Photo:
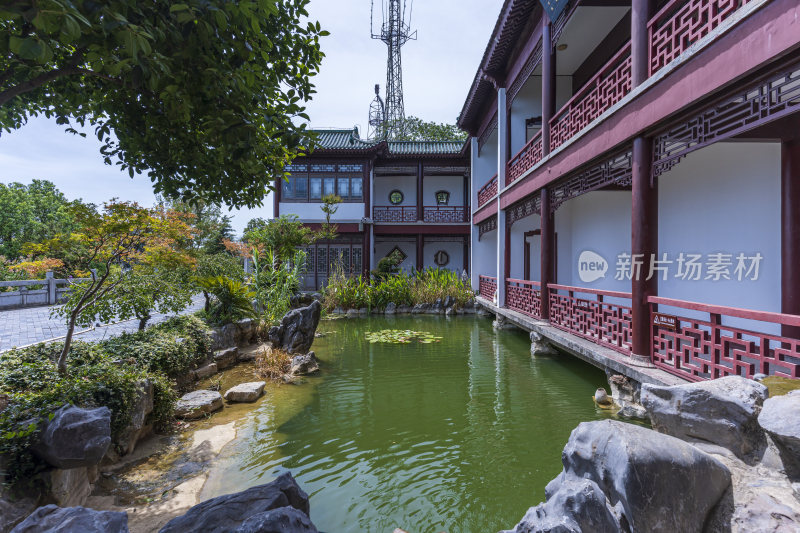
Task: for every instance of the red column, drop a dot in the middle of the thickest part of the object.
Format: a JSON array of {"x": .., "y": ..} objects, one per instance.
[
  {"x": 640, "y": 46},
  {"x": 420, "y": 204},
  {"x": 547, "y": 248},
  {"x": 366, "y": 253},
  {"x": 644, "y": 243},
  {"x": 420, "y": 249},
  {"x": 548, "y": 85},
  {"x": 790, "y": 232}
]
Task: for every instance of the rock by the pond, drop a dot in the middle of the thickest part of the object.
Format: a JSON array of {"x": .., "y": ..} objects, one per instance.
[
  {"x": 14, "y": 509},
  {"x": 198, "y": 404},
  {"x": 403, "y": 309},
  {"x": 304, "y": 364},
  {"x": 780, "y": 417},
  {"x": 639, "y": 471},
  {"x": 69, "y": 488},
  {"x": 419, "y": 308},
  {"x": 601, "y": 397},
  {"x": 206, "y": 371},
  {"x": 247, "y": 330},
  {"x": 226, "y": 358},
  {"x": 75, "y": 437},
  {"x": 352, "y": 313},
  {"x": 224, "y": 514},
  {"x": 723, "y": 411},
  {"x": 224, "y": 337},
  {"x": 245, "y": 392},
  {"x": 136, "y": 428},
  {"x": 52, "y": 518},
  {"x": 295, "y": 334},
  {"x": 391, "y": 308},
  {"x": 280, "y": 520}
]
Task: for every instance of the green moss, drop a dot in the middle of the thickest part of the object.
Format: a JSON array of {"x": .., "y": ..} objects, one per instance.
[{"x": 779, "y": 386}]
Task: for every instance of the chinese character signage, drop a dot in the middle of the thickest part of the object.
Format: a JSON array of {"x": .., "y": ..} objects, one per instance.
[{"x": 554, "y": 8}]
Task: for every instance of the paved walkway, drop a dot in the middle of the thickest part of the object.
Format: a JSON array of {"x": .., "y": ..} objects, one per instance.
[{"x": 21, "y": 327}]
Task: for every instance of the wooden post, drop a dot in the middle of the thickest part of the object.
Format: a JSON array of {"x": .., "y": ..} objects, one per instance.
[
  {"x": 420, "y": 203},
  {"x": 548, "y": 85},
  {"x": 640, "y": 46},
  {"x": 547, "y": 247},
  {"x": 420, "y": 251},
  {"x": 644, "y": 244},
  {"x": 790, "y": 233}
]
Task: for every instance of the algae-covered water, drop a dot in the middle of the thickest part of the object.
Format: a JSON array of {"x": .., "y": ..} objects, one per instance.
[{"x": 459, "y": 435}]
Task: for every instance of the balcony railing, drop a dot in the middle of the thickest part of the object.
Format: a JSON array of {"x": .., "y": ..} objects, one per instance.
[
  {"x": 698, "y": 349},
  {"x": 526, "y": 158},
  {"x": 445, "y": 213},
  {"x": 394, "y": 213},
  {"x": 488, "y": 191},
  {"x": 605, "y": 89},
  {"x": 680, "y": 24},
  {"x": 591, "y": 317},
  {"x": 487, "y": 287},
  {"x": 524, "y": 297}
]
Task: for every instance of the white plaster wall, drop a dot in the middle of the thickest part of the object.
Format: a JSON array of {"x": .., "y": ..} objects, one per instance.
[
  {"x": 312, "y": 212},
  {"x": 563, "y": 229},
  {"x": 518, "y": 248},
  {"x": 383, "y": 247},
  {"x": 485, "y": 166},
  {"x": 454, "y": 249},
  {"x": 724, "y": 198},
  {"x": 485, "y": 256},
  {"x": 453, "y": 184},
  {"x": 383, "y": 185},
  {"x": 528, "y": 104}
]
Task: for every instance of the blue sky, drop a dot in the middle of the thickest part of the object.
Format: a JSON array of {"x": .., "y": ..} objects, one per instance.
[{"x": 437, "y": 71}]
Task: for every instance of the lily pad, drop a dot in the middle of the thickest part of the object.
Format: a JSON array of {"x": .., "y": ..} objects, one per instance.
[{"x": 401, "y": 336}]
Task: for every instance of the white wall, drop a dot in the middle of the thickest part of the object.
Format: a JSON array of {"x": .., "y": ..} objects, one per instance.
[
  {"x": 518, "y": 248},
  {"x": 724, "y": 198},
  {"x": 453, "y": 184},
  {"x": 383, "y": 185},
  {"x": 383, "y": 246},
  {"x": 485, "y": 166},
  {"x": 528, "y": 104},
  {"x": 454, "y": 249},
  {"x": 312, "y": 212},
  {"x": 485, "y": 256}
]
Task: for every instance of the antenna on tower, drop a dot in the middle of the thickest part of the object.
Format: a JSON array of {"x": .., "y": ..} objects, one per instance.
[
  {"x": 395, "y": 31},
  {"x": 377, "y": 116}
]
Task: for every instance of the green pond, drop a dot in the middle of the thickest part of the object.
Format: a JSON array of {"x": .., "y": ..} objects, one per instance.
[{"x": 459, "y": 435}]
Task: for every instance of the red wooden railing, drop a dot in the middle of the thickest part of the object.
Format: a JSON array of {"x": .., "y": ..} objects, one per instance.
[
  {"x": 524, "y": 296},
  {"x": 606, "y": 323},
  {"x": 445, "y": 213},
  {"x": 394, "y": 213},
  {"x": 487, "y": 287},
  {"x": 680, "y": 24},
  {"x": 605, "y": 89},
  {"x": 526, "y": 158},
  {"x": 698, "y": 349},
  {"x": 488, "y": 191}
]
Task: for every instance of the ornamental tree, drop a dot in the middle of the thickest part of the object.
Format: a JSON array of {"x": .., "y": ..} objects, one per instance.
[
  {"x": 200, "y": 94},
  {"x": 126, "y": 243}
]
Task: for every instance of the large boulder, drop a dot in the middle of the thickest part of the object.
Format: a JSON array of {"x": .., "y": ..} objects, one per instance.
[
  {"x": 304, "y": 364},
  {"x": 721, "y": 411},
  {"x": 224, "y": 337},
  {"x": 14, "y": 509},
  {"x": 206, "y": 371},
  {"x": 227, "y": 513},
  {"x": 69, "y": 488},
  {"x": 247, "y": 331},
  {"x": 52, "y": 518},
  {"x": 245, "y": 392},
  {"x": 281, "y": 520},
  {"x": 295, "y": 334},
  {"x": 137, "y": 427},
  {"x": 226, "y": 358},
  {"x": 652, "y": 482},
  {"x": 75, "y": 437},
  {"x": 197, "y": 404},
  {"x": 780, "y": 417}
]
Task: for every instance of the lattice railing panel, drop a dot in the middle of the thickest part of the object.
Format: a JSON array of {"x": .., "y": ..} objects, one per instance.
[
  {"x": 527, "y": 157},
  {"x": 485, "y": 226},
  {"x": 607, "y": 324},
  {"x": 698, "y": 349},
  {"x": 615, "y": 170},
  {"x": 680, "y": 24},
  {"x": 488, "y": 191},
  {"x": 445, "y": 213},
  {"x": 394, "y": 213},
  {"x": 524, "y": 297},
  {"x": 530, "y": 205},
  {"x": 768, "y": 99},
  {"x": 487, "y": 287},
  {"x": 605, "y": 89}
]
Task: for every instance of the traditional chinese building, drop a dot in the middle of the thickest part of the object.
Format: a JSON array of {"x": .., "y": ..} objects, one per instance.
[
  {"x": 408, "y": 197},
  {"x": 635, "y": 173}
]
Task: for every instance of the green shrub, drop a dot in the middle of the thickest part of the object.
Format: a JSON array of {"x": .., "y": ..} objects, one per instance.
[{"x": 232, "y": 299}]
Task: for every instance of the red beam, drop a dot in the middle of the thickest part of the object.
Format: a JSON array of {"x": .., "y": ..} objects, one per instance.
[
  {"x": 738, "y": 312},
  {"x": 425, "y": 229}
]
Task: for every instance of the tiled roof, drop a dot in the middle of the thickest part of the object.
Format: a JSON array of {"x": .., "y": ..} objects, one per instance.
[{"x": 349, "y": 140}]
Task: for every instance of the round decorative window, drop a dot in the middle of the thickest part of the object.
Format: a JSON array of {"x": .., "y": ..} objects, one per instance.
[
  {"x": 396, "y": 197},
  {"x": 441, "y": 258}
]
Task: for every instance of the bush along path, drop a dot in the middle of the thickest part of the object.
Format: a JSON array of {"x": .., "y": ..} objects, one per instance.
[{"x": 58, "y": 431}]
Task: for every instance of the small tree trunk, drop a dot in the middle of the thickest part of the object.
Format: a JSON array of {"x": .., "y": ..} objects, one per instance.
[
  {"x": 207, "y": 307},
  {"x": 62, "y": 359},
  {"x": 143, "y": 321}
]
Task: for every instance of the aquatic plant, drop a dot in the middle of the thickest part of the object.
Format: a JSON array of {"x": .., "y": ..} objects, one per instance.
[
  {"x": 401, "y": 336},
  {"x": 272, "y": 363}
]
